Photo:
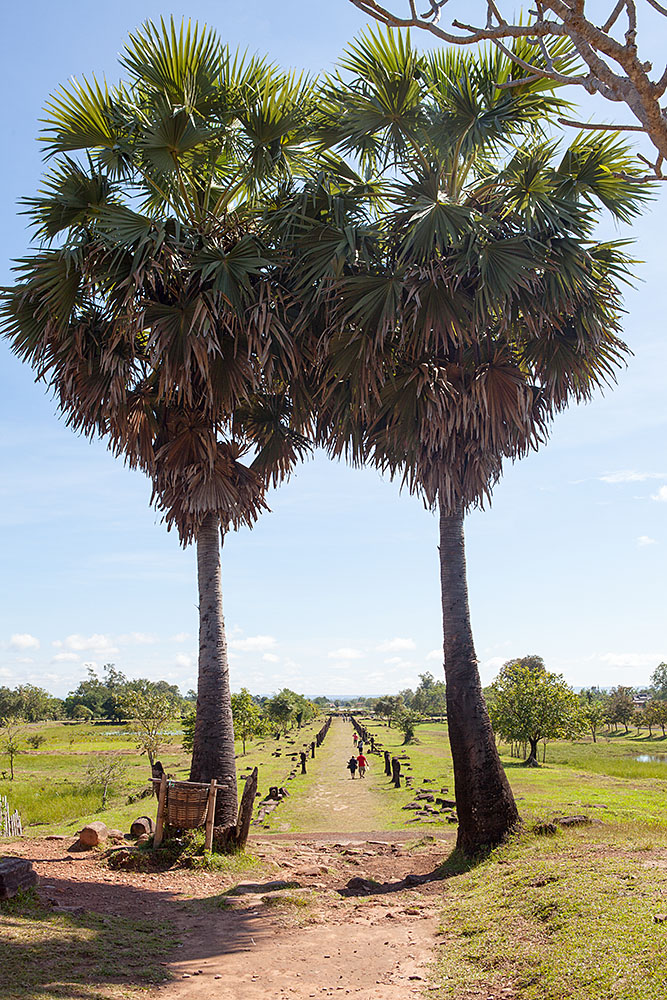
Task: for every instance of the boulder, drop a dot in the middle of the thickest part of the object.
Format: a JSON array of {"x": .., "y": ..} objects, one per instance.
[
  {"x": 15, "y": 874},
  {"x": 93, "y": 834},
  {"x": 141, "y": 825}
]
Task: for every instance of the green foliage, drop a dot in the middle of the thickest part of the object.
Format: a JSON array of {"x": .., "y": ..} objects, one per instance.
[
  {"x": 29, "y": 703},
  {"x": 104, "y": 772},
  {"x": 621, "y": 707},
  {"x": 12, "y": 733},
  {"x": 659, "y": 682},
  {"x": 150, "y": 709},
  {"x": 248, "y": 719},
  {"x": 430, "y": 698},
  {"x": 530, "y": 704}
]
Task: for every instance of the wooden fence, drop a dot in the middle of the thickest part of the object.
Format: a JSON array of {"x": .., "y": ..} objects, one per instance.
[{"x": 10, "y": 823}]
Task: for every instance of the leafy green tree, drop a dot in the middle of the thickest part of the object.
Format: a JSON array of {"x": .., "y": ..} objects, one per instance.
[
  {"x": 430, "y": 698},
  {"x": 406, "y": 720},
  {"x": 248, "y": 719},
  {"x": 659, "y": 682},
  {"x": 594, "y": 714},
  {"x": 149, "y": 711},
  {"x": 621, "y": 707},
  {"x": 281, "y": 709},
  {"x": 530, "y": 705},
  {"x": 154, "y": 308},
  {"x": 11, "y": 740}
]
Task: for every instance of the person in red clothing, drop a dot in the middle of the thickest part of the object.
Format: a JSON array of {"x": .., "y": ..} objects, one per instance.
[
  {"x": 355, "y": 738},
  {"x": 363, "y": 764}
]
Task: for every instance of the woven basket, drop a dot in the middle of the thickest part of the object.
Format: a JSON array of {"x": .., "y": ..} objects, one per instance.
[{"x": 186, "y": 807}]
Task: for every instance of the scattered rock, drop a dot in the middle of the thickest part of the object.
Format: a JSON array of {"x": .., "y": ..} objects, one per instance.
[
  {"x": 143, "y": 839},
  {"x": 57, "y": 836},
  {"x": 659, "y": 918},
  {"x": 545, "y": 829},
  {"x": 573, "y": 820},
  {"x": 361, "y": 887},
  {"x": 15, "y": 874}
]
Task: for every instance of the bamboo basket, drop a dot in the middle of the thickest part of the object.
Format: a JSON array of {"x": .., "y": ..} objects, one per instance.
[{"x": 186, "y": 806}]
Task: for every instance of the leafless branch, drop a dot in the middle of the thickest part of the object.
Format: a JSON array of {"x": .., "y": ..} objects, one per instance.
[
  {"x": 615, "y": 69},
  {"x": 601, "y": 128}
]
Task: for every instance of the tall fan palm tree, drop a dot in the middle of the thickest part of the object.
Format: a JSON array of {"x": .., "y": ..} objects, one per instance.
[
  {"x": 154, "y": 307},
  {"x": 471, "y": 310}
]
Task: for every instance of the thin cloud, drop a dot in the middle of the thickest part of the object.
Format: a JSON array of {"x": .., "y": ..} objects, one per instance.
[
  {"x": 254, "y": 643},
  {"x": 435, "y": 654},
  {"x": 140, "y": 638},
  {"x": 631, "y": 476},
  {"x": 646, "y": 540},
  {"x": 346, "y": 653},
  {"x": 396, "y": 645},
  {"x": 23, "y": 640},
  {"x": 96, "y": 643},
  {"x": 661, "y": 495},
  {"x": 179, "y": 637},
  {"x": 65, "y": 658}
]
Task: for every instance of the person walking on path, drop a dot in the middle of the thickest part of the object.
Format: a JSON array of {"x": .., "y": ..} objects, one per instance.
[
  {"x": 352, "y": 766},
  {"x": 355, "y": 738},
  {"x": 363, "y": 764}
]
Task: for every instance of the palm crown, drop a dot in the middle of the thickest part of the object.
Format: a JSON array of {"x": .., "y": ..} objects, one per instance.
[{"x": 155, "y": 307}]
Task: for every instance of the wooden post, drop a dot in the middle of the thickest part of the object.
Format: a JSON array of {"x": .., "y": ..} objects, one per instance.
[
  {"x": 387, "y": 763},
  {"x": 161, "y": 805},
  {"x": 303, "y": 762},
  {"x": 245, "y": 809},
  {"x": 210, "y": 815},
  {"x": 312, "y": 749},
  {"x": 396, "y": 772}
]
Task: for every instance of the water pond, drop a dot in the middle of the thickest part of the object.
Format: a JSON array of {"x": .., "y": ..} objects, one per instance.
[{"x": 651, "y": 758}]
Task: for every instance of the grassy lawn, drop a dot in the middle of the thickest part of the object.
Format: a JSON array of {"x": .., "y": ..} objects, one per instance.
[
  {"x": 91, "y": 957},
  {"x": 53, "y": 793},
  {"x": 563, "y": 918}
]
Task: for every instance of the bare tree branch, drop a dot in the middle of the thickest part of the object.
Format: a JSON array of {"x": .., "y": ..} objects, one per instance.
[{"x": 615, "y": 69}]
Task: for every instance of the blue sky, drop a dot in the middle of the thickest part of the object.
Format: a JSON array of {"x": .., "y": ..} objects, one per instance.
[{"x": 336, "y": 590}]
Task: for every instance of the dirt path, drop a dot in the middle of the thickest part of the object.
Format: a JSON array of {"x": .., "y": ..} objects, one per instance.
[
  {"x": 356, "y": 914},
  {"x": 327, "y": 799}
]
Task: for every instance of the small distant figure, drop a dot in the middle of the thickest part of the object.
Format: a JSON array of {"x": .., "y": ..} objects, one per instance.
[
  {"x": 362, "y": 763},
  {"x": 355, "y": 738},
  {"x": 360, "y": 746},
  {"x": 352, "y": 766},
  {"x": 372, "y": 744}
]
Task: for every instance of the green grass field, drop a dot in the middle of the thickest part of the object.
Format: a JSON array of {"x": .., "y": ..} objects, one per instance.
[{"x": 53, "y": 792}]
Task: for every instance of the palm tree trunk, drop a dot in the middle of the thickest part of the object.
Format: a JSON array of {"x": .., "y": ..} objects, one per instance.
[
  {"x": 213, "y": 750},
  {"x": 484, "y": 802}
]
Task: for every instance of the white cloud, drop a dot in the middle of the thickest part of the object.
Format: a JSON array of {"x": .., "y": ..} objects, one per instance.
[
  {"x": 24, "y": 659},
  {"x": 96, "y": 643},
  {"x": 396, "y": 645},
  {"x": 254, "y": 643},
  {"x": 394, "y": 659},
  {"x": 346, "y": 653},
  {"x": 65, "y": 658},
  {"x": 23, "y": 640},
  {"x": 630, "y": 660},
  {"x": 140, "y": 638},
  {"x": 661, "y": 495},
  {"x": 646, "y": 540},
  {"x": 435, "y": 654},
  {"x": 183, "y": 660},
  {"x": 179, "y": 637},
  {"x": 271, "y": 658},
  {"x": 629, "y": 476}
]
